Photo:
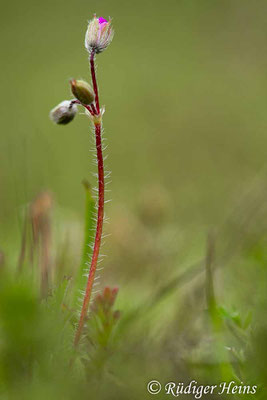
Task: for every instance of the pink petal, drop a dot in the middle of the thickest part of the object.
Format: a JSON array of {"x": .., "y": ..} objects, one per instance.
[{"x": 102, "y": 21}]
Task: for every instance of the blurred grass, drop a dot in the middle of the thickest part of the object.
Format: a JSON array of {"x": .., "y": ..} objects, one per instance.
[{"x": 184, "y": 85}]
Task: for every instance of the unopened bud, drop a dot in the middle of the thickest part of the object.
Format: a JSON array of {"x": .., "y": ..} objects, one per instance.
[
  {"x": 63, "y": 113},
  {"x": 82, "y": 91},
  {"x": 99, "y": 34}
]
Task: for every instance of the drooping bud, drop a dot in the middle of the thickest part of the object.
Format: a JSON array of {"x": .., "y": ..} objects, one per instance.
[
  {"x": 82, "y": 91},
  {"x": 99, "y": 34},
  {"x": 63, "y": 113}
]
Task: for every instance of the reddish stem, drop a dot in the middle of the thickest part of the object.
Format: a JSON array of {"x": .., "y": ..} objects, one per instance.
[
  {"x": 92, "y": 64},
  {"x": 100, "y": 217},
  {"x": 93, "y": 109},
  {"x": 90, "y": 108}
]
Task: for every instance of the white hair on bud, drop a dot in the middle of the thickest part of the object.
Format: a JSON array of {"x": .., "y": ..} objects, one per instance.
[
  {"x": 99, "y": 35},
  {"x": 63, "y": 113}
]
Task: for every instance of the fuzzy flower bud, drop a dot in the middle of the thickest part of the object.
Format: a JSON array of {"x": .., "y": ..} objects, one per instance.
[
  {"x": 63, "y": 113},
  {"x": 82, "y": 91},
  {"x": 99, "y": 34}
]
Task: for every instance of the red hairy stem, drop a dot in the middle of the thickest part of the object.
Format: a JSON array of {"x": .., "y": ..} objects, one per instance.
[
  {"x": 100, "y": 212},
  {"x": 99, "y": 228},
  {"x": 93, "y": 109},
  {"x": 92, "y": 64}
]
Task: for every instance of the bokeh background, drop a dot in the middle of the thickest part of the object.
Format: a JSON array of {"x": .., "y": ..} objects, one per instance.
[{"x": 184, "y": 87}]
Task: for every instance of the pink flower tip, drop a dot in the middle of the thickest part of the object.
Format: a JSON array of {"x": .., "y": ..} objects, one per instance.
[{"x": 102, "y": 20}]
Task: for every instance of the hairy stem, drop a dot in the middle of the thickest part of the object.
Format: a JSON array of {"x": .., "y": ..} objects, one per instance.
[{"x": 100, "y": 213}]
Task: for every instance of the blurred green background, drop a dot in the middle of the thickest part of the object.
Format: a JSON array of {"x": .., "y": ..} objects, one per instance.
[{"x": 184, "y": 87}]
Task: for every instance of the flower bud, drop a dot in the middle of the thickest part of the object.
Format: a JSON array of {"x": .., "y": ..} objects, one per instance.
[
  {"x": 82, "y": 91},
  {"x": 63, "y": 113},
  {"x": 99, "y": 34}
]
